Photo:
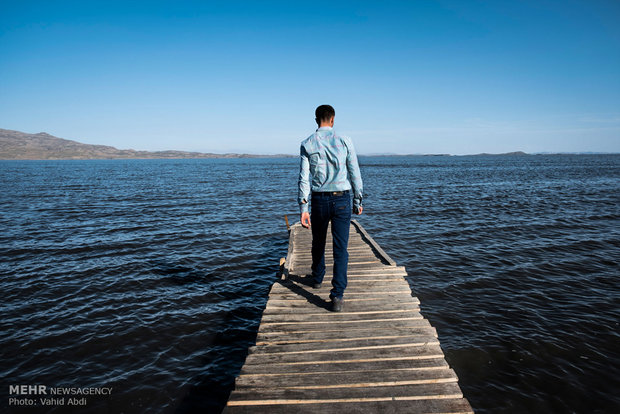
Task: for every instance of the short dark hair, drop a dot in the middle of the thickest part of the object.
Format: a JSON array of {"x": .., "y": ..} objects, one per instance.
[{"x": 324, "y": 113}]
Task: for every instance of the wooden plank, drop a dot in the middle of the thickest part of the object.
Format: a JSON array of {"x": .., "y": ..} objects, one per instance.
[
  {"x": 343, "y": 364},
  {"x": 344, "y": 316},
  {"x": 354, "y": 260},
  {"x": 368, "y": 280},
  {"x": 352, "y": 249},
  {"x": 334, "y": 327},
  {"x": 377, "y": 299},
  {"x": 354, "y": 256},
  {"x": 307, "y": 279},
  {"x": 292, "y": 300},
  {"x": 307, "y": 241},
  {"x": 317, "y": 343},
  {"x": 337, "y": 352},
  {"x": 285, "y": 298},
  {"x": 355, "y": 290},
  {"x": 356, "y": 343},
  {"x": 349, "y": 355},
  {"x": 291, "y": 337},
  {"x": 290, "y": 307},
  {"x": 306, "y": 270},
  {"x": 335, "y": 324},
  {"x": 357, "y": 306},
  {"x": 365, "y": 262},
  {"x": 358, "y": 379},
  {"x": 440, "y": 388},
  {"x": 321, "y": 295},
  {"x": 374, "y": 298},
  {"x": 289, "y": 302},
  {"x": 360, "y": 269},
  {"x": 323, "y": 298},
  {"x": 348, "y": 366},
  {"x": 353, "y": 246},
  {"x": 428, "y": 404},
  {"x": 388, "y": 270},
  {"x": 351, "y": 266},
  {"x": 353, "y": 284},
  {"x": 356, "y": 294},
  {"x": 380, "y": 269},
  {"x": 352, "y": 277},
  {"x": 358, "y": 288}
]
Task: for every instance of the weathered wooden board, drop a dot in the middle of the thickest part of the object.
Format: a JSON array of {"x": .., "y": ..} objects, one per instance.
[
  {"x": 291, "y": 300},
  {"x": 347, "y": 344},
  {"x": 339, "y": 317},
  {"x": 362, "y": 353},
  {"x": 413, "y": 322},
  {"x": 382, "y": 378},
  {"x": 378, "y": 270},
  {"x": 298, "y": 337},
  {"x": 388, "y": 405},
  {"x": 358, "y": 306},
  {"x": 439, "y": 388},
  {"x": 379, "y": 355},
  {"x": 366, "y": 366}
]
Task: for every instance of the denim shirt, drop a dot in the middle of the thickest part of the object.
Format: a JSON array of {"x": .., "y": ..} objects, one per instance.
[{"x": 329, "y": 160}]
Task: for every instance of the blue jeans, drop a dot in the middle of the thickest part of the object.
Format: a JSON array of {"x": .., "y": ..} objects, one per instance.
[{"x": 327, "y": 207}]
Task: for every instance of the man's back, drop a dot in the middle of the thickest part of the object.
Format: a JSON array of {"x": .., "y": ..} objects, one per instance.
[
  {"x": 330, "y": 161},
  {"x": 329, "y": 170},
  {"x": 328, "y": 153}
]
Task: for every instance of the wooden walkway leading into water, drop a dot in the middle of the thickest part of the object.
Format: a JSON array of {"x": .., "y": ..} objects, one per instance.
[{"x": 379, "y": 355}]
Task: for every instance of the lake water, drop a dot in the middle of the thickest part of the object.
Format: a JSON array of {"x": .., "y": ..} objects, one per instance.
[{"x": 150, "y": 276}]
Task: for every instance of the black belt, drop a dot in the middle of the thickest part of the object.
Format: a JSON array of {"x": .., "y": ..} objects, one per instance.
[{"x": 330, "y": 193}]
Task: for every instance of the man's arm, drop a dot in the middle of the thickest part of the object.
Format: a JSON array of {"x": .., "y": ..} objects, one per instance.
[
  {"x": 304, "y": 187},
  {"x": 355, "y": 177}
]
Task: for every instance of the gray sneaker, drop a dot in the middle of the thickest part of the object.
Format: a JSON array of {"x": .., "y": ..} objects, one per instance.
[{"x": 337, "y": 304}]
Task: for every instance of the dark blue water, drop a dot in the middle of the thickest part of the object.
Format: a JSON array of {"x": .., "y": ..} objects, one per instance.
[{"x": 149, "y": 276}]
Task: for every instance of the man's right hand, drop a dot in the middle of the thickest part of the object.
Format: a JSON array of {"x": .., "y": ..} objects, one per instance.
[{"x": 305, "y": 219}]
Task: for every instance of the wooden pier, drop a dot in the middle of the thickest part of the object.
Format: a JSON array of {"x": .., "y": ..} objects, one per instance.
[{"x": 379, "y": 355}]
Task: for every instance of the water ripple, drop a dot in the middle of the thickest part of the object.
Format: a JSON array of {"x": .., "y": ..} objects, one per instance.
[{"x": 150, "y": 276}]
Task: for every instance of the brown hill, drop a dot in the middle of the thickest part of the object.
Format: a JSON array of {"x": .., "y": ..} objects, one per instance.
[{"x": 15, "y": 145}]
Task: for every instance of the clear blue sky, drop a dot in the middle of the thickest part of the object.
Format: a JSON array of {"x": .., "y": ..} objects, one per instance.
[{"x": 455, "y": 77}]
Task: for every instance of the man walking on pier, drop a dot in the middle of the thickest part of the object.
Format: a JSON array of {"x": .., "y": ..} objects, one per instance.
[{"x": 329, "y": 170}]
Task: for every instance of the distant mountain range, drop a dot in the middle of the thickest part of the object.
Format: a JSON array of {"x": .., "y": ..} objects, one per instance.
[{"x": 15, "y": 145}]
